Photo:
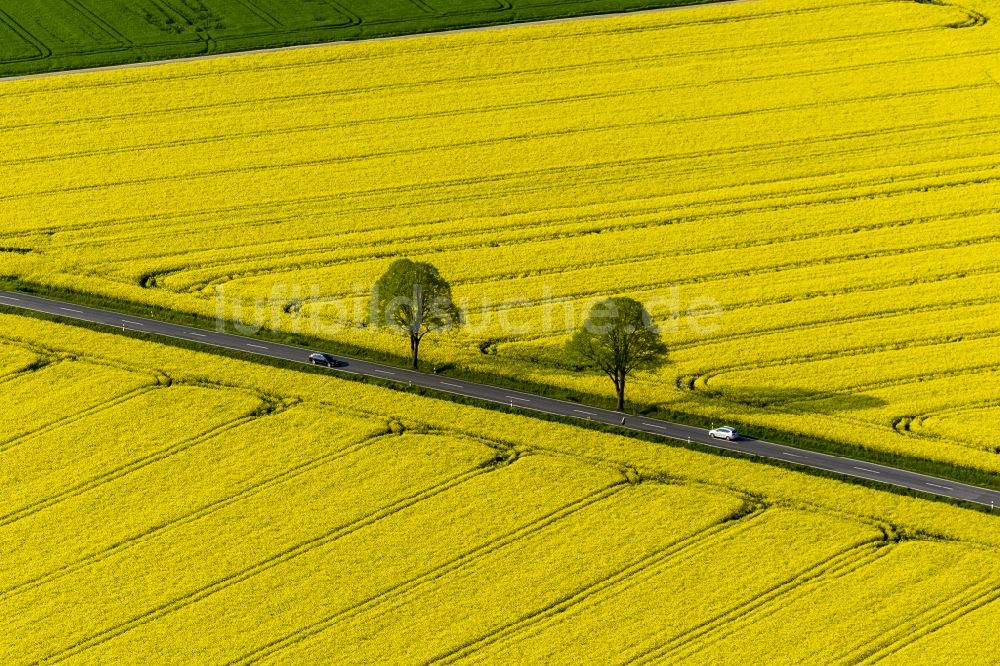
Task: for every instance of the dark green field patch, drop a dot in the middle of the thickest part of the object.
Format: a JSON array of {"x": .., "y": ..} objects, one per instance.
[{"x": 55, "y": 35}]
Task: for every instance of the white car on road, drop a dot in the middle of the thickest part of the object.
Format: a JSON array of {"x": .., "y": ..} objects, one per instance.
[{"x": 725, "y": 432}]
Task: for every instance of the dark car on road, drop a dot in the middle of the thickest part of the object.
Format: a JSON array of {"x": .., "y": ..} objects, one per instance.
[{"x": 328, "y": 360}]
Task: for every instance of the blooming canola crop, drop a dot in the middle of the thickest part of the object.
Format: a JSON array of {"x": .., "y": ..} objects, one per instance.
[
  {"x": 824, "y": 173},
  {"x": 218, "y": 511}
]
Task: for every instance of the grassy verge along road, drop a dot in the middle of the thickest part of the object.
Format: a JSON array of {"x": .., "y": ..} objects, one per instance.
[{"x": 843, "y": 466}]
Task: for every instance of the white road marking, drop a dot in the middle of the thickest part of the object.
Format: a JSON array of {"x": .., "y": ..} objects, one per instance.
[{"x": 510, "y": 397}]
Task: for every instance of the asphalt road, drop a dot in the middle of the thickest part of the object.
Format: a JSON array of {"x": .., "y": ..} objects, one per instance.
[{"x": 528, "y": 401}]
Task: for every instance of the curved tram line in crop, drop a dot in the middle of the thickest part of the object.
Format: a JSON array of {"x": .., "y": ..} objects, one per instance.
[
  {"x": 842, "y": 175},
  {"x": 293, "y": 499}
]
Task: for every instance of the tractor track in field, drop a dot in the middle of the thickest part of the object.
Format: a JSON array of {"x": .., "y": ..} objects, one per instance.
[
  {"x": 684, "y": 645},
  {"x": 681, "y": 550},
  {"x": 76, "y": 416},
  {"x": 840, "y": 465},
  {"x": 457, "y": 563},
  {"x": 481, "y": 143},
  {"x": 937, "y": 616},
  {"x": 119, "y": 472},
  {"x": 274, "y": 560},
  {"x": 469, "y": 240},
  {"x": 450, "y": 113},
  {"x": 276, "y": 208},
  {"x": 198, "y": 514},
  {"x": 882, "y": 187},
  {"x": 45, "y": 52}
]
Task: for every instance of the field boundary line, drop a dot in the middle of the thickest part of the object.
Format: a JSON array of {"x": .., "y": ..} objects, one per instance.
[
  {"x": 470, "y": 78},
  {"x": 519, "y": 40},
  {"x": 826, "y": 457},
  {"x": 354, "y": 20}
]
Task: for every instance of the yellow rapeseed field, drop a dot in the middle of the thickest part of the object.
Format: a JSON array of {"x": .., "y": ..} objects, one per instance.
[
  {"x": 825, "y": 172},
  {"x": 198, "y": 509}
]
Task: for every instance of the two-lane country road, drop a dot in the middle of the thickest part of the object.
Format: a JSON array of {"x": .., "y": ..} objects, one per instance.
[{"x": 528, "y": 401}]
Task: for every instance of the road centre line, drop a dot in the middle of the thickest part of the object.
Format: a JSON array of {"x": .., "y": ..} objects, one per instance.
[{"x": 909, "y": 479}]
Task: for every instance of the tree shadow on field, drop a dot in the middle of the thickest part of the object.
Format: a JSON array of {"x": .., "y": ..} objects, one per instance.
[{"x": 793, "y": 400}]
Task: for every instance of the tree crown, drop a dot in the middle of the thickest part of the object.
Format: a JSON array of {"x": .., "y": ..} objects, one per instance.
[
  {"x": 618, "y": 337},
  {"x": 413, "y": 297}
]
